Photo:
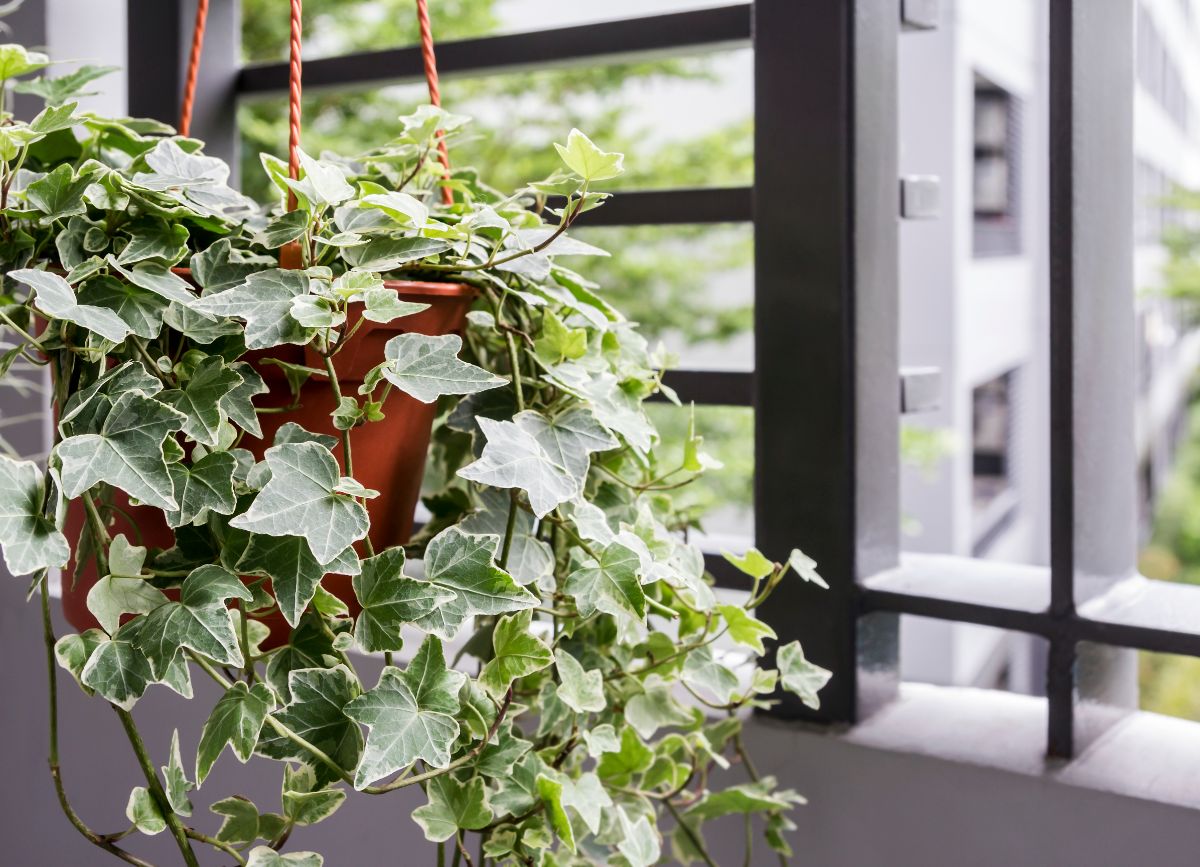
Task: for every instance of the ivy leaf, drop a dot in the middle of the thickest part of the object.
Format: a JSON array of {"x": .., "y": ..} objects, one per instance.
[
  {"x": 127, "y": 452},
  {"x": 114, "y": 596},
  {"x": 294, "y": 572},
  {"x": 56, "y": 91},
  {"x": 238, "y": 403},
  {"x": 401, "y": 207},
  {"x": 308, "y": 647},
  {"x": 453, "y": 805},
  {"x": 140, "y": 310},
  {"x": 239, "y": 823},
  {"x": 264, "y": 303},
  {"x": 303, "y": 802},
  {"x": 743, "y": 799},
  {"x": 701, "y": 671},
  {"x": 388, "y": 254},
  {"x": 587, "y": 797},
  {"x": 518, "y": 653},
  {"x": 200, "y": 399},
  {"x": 220, "y": 267},
  {"x": 86, "y": 409},
  {"x": 59, "y": 194},
  {"x": 301, "y": 499},
  {"x": 609, "y": 584},
  {"x": 283, "y": 229},
  {"x": 639, "y": 841},
  {"x": 513, "y": 458},
  {"x": 799, "y": 676},
  {"x": 746, "y": 629},
  {"x": 321, "y": 183},
  {"x": 384, "y": 305},
  {"x": 427, "y": 367},
  {"x": 806, "y": 568},
  {"x": 529, "y": 558},
  {"x": 655, "y": 708},
  {"x": 558, "y": 342},
  {"x": 265, "y": 856},
  {"x": 144, "y": 813},
  {"x": 464, "y": 565},
  {"x": 56, "y": 299},
  {"x": 752, "y": 563},
  {"x": 600, "y": 740},
  {"x": 615, "y": 408},
  {"x": 410, "y": 715},
  {"x": 175, "y": 782},
  {"x": 164, "y": 242},
  {"x": 29, "y": 539},
  {"x": 203, "y": 487},
  {"x": 569, "y": 439},
  {"x": 157, "y": 278},
  {"x": 236, "y": 720},
  {"x": 581, "y": 691},
  {"x": 199, "y": 621},
  {"x": 118, "y": 671},
  {"x": 588, "y": 161},
  {"x": 550, "y": 790},
  {"x": 73, "y": 651},
  {"x": 389, "y": 600},
  {"x": 315, "y": 712},
  {"x": 619, "y": 766},
  {"x": 16, "y": 60}
]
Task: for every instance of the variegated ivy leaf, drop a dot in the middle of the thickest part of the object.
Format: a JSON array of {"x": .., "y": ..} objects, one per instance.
[
  {"x": 465, "y": 565},
  {"x": 86, "y": 409},
  {"x": 144, "y": 813},
  {"x": 282, "y": 229},
  {"x": 806, "y": 568},
  {"x": 383, "y": 305},
  {"x": 176, "y": 785},
  {"x": 513, "y": 458},
  {"x": 157, "y": 278},
  {"x": 127, "y": 452},
  {"x": 204, "y": 486},
  {"x": 73, "y": 651},
  {"x": 315, "y": 711},
  {"x": 264, "y": 303},
  {"x": 529, "y": 558},
  {"x": 588, "y": 161},
  {"x": 550, "y": 790},
  {"x": 321, "y": 183},
  {"x": 609, "y": 584},
  {"x": 799, "y": 676},
  {"x": 30, "y": 540},
  {"x": 265, "y": 856},
  {"x": 569, "y": 439},
  {"x": 55, "y": 297},
  {"x": 242, "y": 823},
  {"x": 582, "y": 691},
  {"x": 587, "y": 797},
  {"x": 384, "y": 254},
  {"x": 615, "y": 408},
  {"x": 304, "y": 801},
  {"x": 517, "y": 653},
  {"x": 655, "y": 708},
  {"x": 294, "y": 572},
  {"x": 401, "y": 207},
  {"x": 236, "y": 720},
  {"x": 427, "y": 367},
  {"x": 114, "y": 596},
  {"x": 703, "y": 673},
  {"x": 202, "y": 398},
  {"x": 453, "y": 805},
  {"x": 16, "y": 60},
  {"x": 639, "y": 840},
  {"x": 390, "y": 599},
  {"x": 199, "y": 621},
  {"x": 220, "y": 267},
  {"x": 140, "y": 310},
  {"x": 118, "y": 671},
  {"x": 744, "y": 798},
  {"x": 746, "y": 629},
  {"x": 410, "y": 715},
  {"x": 59, "y": 194},
  {"x": 163, "y": 242},
  {"x": 301, "y": 500}
]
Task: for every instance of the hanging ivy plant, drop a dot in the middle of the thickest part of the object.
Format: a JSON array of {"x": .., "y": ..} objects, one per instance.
[{"x": 559, "y": 674}]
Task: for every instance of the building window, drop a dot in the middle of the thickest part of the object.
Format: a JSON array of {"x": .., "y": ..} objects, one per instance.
[
  {"x": 993, "y": 495},
  {"x": 997, "y": 149}
]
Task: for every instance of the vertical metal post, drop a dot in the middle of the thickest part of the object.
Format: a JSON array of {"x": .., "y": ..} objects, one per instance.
[
  {"x": 160, "y": 38},
  {"x": 826, "y": 206},
  {"x": 1092, "y": 388},
  {"x": 28, "y": 25}
]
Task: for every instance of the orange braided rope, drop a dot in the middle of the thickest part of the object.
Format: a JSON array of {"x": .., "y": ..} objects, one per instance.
[
  {"x": 435, "y": 96},
  {"x": 193, "y": 70},
  {"x": 294, "y": 102}
]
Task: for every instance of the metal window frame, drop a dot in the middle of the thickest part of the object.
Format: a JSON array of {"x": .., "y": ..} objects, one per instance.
[{"x": 824, "y": 206}]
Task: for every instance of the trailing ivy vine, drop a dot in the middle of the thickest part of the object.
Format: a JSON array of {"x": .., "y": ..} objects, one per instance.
[{"x": 560, "y": 678}]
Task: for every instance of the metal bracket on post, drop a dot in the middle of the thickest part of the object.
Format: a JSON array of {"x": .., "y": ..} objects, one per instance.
[
  {"x": 920, "y": 197},
  {"x": 920, "y": 14},
  {"x": 920, "y": 389}
]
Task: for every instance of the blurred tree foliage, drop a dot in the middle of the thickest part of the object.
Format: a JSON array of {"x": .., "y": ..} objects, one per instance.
[{"x": 659, "y": 276}]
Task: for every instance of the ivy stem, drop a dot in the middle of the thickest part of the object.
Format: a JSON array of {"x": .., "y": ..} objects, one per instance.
[
  {"x": 692, "y": 836},
  {"x": 515, "y": 363},
  {"x": 99, "y": 531},
  {"x": 248, "y": 668},
  {"x": 104, "y": 841},
  {"x": 336, "y": 387},
  {"x": 216, "y": 844},
  {"x": 509, "y": 529},
  {"x": 155, "y": 787},
  {"x": 17, "y": 328}
]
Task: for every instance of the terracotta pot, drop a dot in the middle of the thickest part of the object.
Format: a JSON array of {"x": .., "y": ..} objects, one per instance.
[{"x": 389, "y": 455}]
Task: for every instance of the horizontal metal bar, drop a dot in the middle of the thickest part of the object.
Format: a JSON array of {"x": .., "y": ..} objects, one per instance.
[
  {"x": 699, "y": 29},
  {"x": 670, "y": 207},
  {"x": 711, "y": 387}
]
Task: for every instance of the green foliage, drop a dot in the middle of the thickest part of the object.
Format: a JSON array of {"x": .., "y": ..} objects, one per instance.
[{"x": 577, "y": 712}]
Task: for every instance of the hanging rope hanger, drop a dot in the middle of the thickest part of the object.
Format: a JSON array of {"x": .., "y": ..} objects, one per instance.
[{"x": 295, "y": 71}]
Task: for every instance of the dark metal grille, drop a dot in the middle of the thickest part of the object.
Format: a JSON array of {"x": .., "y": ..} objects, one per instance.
[{"x": 824, "y": 208}]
